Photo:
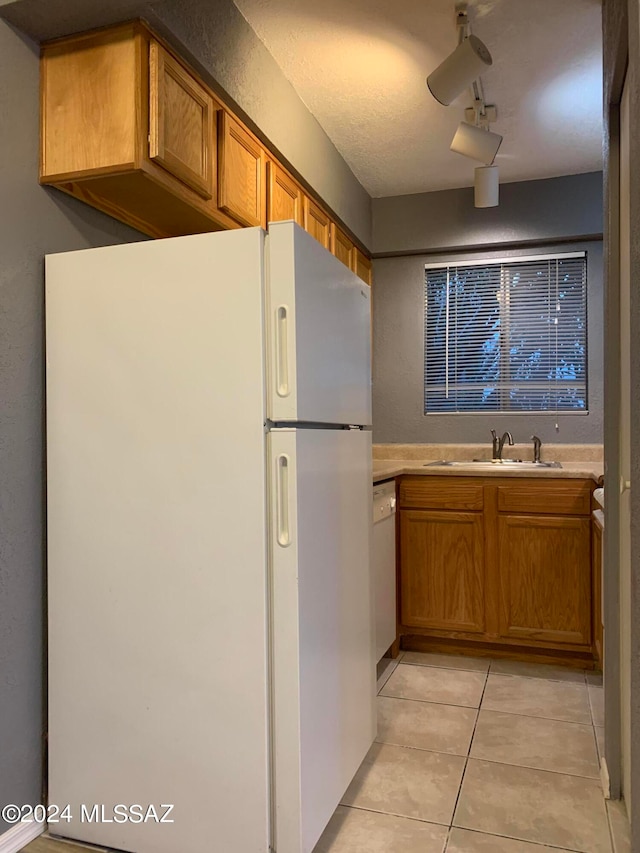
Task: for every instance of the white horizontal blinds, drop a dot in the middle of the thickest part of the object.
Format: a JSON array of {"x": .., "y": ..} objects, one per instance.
[{"x": 507, "y": 336}]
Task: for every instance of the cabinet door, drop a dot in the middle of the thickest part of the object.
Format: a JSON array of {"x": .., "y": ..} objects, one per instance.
[
  {"x": 341, "y": 246},
  {"x": 285, "y": 197},
  {"x": 442, "y": 570},
  {"x": 241, "y": 167},
  {"x": 362, "y": 266},
  {"x": 181, "y": 123},
  {"x": 544, "y": 566},
  {"x": 316, "y": 222}
]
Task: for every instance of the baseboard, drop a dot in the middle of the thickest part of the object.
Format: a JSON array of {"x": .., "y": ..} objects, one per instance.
[{"x": 19, "y": 836}]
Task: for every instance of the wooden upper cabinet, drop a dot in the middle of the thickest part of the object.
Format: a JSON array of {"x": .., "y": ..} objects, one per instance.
[
  {"x": 341, "y": 246},
  {"x": 285, "y": 197},
  {"x": 241, "y": 173},
  {"x": 317, "y": 222},
  {"x": 545, "y": 582},
  {"x": 181, "y": 122},
  {"x": 89, "y": 98},
  {"x": 362, "y": 266},
  {"x": 127, "y": 128}
]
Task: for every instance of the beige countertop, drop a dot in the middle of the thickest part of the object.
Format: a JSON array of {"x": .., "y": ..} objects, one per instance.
[{"x": 578, "y": 462}]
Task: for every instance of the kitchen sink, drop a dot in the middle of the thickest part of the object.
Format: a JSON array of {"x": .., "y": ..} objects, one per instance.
[{"x": 488, "y": 464}]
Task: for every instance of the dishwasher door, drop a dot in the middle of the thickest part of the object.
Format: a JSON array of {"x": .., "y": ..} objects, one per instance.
[{"x": 384, "y": 564}]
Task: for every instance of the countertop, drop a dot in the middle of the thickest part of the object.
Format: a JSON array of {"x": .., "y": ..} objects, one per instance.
[
  {"x": 579, "y": 461},
  {"x": 385, "y": 469}
]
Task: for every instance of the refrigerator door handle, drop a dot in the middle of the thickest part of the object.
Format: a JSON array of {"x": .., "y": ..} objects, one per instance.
[
  {"x": 282, "y": 500},
  {"x": 282, "y": 351}
]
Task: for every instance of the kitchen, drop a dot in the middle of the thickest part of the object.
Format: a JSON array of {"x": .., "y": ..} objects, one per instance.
[{"x": 66, "y": 225}]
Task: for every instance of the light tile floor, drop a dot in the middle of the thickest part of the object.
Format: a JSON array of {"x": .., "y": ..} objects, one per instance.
[
  {"x": 478, "y": 756},
  {"x": 475, "y": 756}
]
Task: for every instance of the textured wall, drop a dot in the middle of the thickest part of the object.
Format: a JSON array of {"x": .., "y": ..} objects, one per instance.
[
  {"x": 529, "y": 212},
  {"x": 220, "y": 42},
  {"x": 398, "y": 359},
  {"x": 33, "y": 221}
]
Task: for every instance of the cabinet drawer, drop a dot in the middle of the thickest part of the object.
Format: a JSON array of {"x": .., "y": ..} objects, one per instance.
[
  {"x": 547, "y": 497},
  {"x": 441, "y": 493}
]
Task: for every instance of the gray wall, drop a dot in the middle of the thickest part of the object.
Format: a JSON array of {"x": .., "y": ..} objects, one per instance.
[
  {"x": 530, "y": 212},
  {"x": 222, "y": 45},
  {"x": 33, "y": 221},
  {"x": 562, "y": 214}
]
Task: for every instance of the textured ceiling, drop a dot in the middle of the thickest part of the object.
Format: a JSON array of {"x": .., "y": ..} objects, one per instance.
[{"x": 360, "y": 67}]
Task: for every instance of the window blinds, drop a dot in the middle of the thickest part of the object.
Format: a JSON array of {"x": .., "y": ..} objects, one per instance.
[{"x": 506, "y": 336}]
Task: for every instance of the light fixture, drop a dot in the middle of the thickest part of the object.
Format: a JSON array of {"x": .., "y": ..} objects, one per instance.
[
  {"x": 459, "y": 69},
  {"x": 486, "y": 186},
  {"x": 476, "y": 143}
]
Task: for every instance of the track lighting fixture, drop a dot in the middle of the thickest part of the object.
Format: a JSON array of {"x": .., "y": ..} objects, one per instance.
[
  {"x": 476, "y": 143},
  {"x": 486, "y": 186},
  {"x": 459, "y": 70}
]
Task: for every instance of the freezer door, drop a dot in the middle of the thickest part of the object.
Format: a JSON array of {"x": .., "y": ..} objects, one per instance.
[
  {"x": 318, "y": 333},
  {"x": 321, "y": 624}
]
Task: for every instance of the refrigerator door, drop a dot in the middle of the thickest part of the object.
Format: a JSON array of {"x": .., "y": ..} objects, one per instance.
[
  {"x": 318, "y": 333},
  {"x": 321, "y": 624},
  {"x": 157, "y": 569}
]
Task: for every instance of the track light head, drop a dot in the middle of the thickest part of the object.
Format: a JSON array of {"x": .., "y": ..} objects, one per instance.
[
  {"x": 459, "y": 70},
  {"x": 486, "y": 186},
  {"x": 476, "y": 143}
]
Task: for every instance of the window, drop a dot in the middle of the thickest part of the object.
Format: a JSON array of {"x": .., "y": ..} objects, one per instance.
[{"x": 506, "y": 336}]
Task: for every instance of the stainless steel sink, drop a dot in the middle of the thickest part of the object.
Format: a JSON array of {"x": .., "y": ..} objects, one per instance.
[{"x": 489, "y": 464}]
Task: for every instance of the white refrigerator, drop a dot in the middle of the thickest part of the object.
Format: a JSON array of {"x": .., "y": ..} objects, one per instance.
[{"x": 209, "y": 489}]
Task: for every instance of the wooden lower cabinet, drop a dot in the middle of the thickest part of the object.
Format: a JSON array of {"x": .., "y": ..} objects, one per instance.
[
  {"x": 442, "y": 570},
  {"x": 545, "y": 579},
  {"x": 476, "y": 576}
]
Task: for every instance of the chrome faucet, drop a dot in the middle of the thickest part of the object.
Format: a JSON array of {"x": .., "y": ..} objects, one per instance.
[
  {"x": 537, "y": 444},
  {"x": 498, "y": 443}
]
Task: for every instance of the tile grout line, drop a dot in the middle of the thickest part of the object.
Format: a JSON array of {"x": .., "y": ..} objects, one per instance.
[
  {"x": 466, "y": 762},
  {"x": 506, "y": 674},
  {"x": 391, "y": 814},
  {"x": 543, "y": 845},
  {"x": 493, "y": 710}
]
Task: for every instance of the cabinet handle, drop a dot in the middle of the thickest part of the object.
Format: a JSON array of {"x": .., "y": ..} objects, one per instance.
[
  {"x": 282, "y": 351},
  {"x": 282, "y": 501}
]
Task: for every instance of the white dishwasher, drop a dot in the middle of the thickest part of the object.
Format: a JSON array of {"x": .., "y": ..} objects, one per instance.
[{"x": 384, "y": 564}]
